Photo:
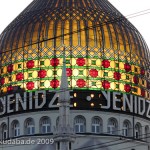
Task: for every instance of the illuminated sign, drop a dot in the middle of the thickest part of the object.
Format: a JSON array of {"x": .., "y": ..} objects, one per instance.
[{"x": 43, "y": 100}]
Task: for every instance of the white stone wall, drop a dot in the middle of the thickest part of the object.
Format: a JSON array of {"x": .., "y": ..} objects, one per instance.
[{"x": 81, "y": 139}]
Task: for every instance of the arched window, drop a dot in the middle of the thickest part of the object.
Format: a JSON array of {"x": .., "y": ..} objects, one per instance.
[
  {"x": 80, "y": 124},
  {"x": 96, "y": 125},
  {"x": 4, "y": 131},
  {"x": 126, "y": 128},
  {"x": 112, "y": 126},
  {"x": 15, "y": 128},
  {"x": 138, "y": 131},
  {"x": 29, "y": 126},
  {"x": 146, "y": 133},
  {"x": 45, "y": 125}
]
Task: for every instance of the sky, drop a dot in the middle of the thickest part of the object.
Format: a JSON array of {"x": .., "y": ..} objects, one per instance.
[{"x": 9, "y": 9}]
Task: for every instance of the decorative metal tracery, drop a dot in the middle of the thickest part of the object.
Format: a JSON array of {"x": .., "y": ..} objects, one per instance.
[{"x": 103, "y": 49}]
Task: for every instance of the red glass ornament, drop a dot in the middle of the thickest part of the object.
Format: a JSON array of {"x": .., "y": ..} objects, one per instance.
[
  {"x": 105, "y": 63},
  {"x": 127, "y": 88},
  {"x": 117, "y": 75},
  {"x": 54, "y": 62},
  {"x": 106, "y": 84},
  {"x": 81, "y": 83},
  {"x": 19, "y": 76},
  {"x": 142, "y": 71},
  {"x": 143, "y": 92},
  {"x": 135, "y": 80},
  {"x": 30, "y": 64},
  {"x": 69, "y": 72},
  {"x": 2, "y": 81},
  {"x": 9, "y": 88},
  {"x": 10, "y": 68},
  {"x": 54, "y": 83},
  {"x": 30, "y": 85},
  {"x": 127, "y": 67},
  {"x": 42, "y": 73},
  {"x": 93, "y": 73},
  {"x": 80, "y": 61}
]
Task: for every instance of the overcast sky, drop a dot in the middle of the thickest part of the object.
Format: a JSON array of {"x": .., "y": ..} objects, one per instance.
[{"x": 9, "y": 9}]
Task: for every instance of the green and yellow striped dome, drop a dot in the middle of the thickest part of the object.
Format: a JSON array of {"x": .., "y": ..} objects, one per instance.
[{"x": 104, "y": 51}]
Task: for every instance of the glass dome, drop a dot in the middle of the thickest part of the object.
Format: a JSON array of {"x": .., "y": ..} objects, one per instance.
[{"x": 104, "y": 51}]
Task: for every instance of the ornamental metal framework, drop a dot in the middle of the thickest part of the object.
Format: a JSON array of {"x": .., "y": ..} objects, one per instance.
[{"x": 103, "y": 49}]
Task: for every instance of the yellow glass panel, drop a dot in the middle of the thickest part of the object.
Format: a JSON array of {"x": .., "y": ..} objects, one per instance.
[
  {"x": 114, "y": 41},
  {"x": 36, "y": 84},
  {"x": 36, "y": 63},
  {"x": 99, "y": 84},
  {"x": 133, "y": 48},
  {"x": 112, "y": 85},
  {"x": 47, "y": 62},
  {"x": 100, "y": 73},
  {"x": 121, "y": 87},
  {"x": 121, "y": 65},
  {"x": 74, "y": 35},
  {"x": 73, "y": 83},
  {"x": 61, "y": 61},
  {"x": 99, "y": 37},
  {"x": 139, "y": 91},
  {"x": 85, "y": 72},
  {"x": 91, "y": 34},
  {"x": 73, "y": 61},
  {"x": 4, "y": 89},
  {"x": 66, "y": 32},
  {"x": 15, "y": 37},
  {"x": 35, "y": 74},
  {"x": 47, "y": 84},
  {"x": 49, "y": 73},
  {"x": 75, "y": 72},
  {"x": 21, "y": 37},
  {"x": 138, "y": 69},
  {"x": 26, "y": 75},
  {"x": 50, "y": 33},
  {"x": 106, "y": 34},
  {"x": 98, "y": 62},
  {"x": 29, "y": 32},
  {"x": 58, "y": 52},
  {"x": 23, "y": 85},
  {"x": 82, "y": 33},
  {"x": 5, "y": 69},
  {"x": 132, "y": 68},
  {"x": 6, "y": 80},
  {"x": 59, "y": 72},
  {"x": 13, "y": 77},
  {"x": 35, "y": 33},
  {"x": 58, "y": 33},
  {"x": 126, "y": 40},
  {"x": 123, "y": 76},
  {"x": 120, "y": 42},
  {"x": 110, "y": 74},
  {"x": 43, "y": 32},
  {"x": 83, "y": 53},
  {"x": 112, "y": 64},
  {"x": 49, "y": 53}
]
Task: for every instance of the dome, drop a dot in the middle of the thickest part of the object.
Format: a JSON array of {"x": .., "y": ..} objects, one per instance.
[{"x": 104, "y": 51}]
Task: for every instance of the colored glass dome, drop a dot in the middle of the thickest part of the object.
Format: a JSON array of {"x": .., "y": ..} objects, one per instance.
[{"x": 104, "y": 51}]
